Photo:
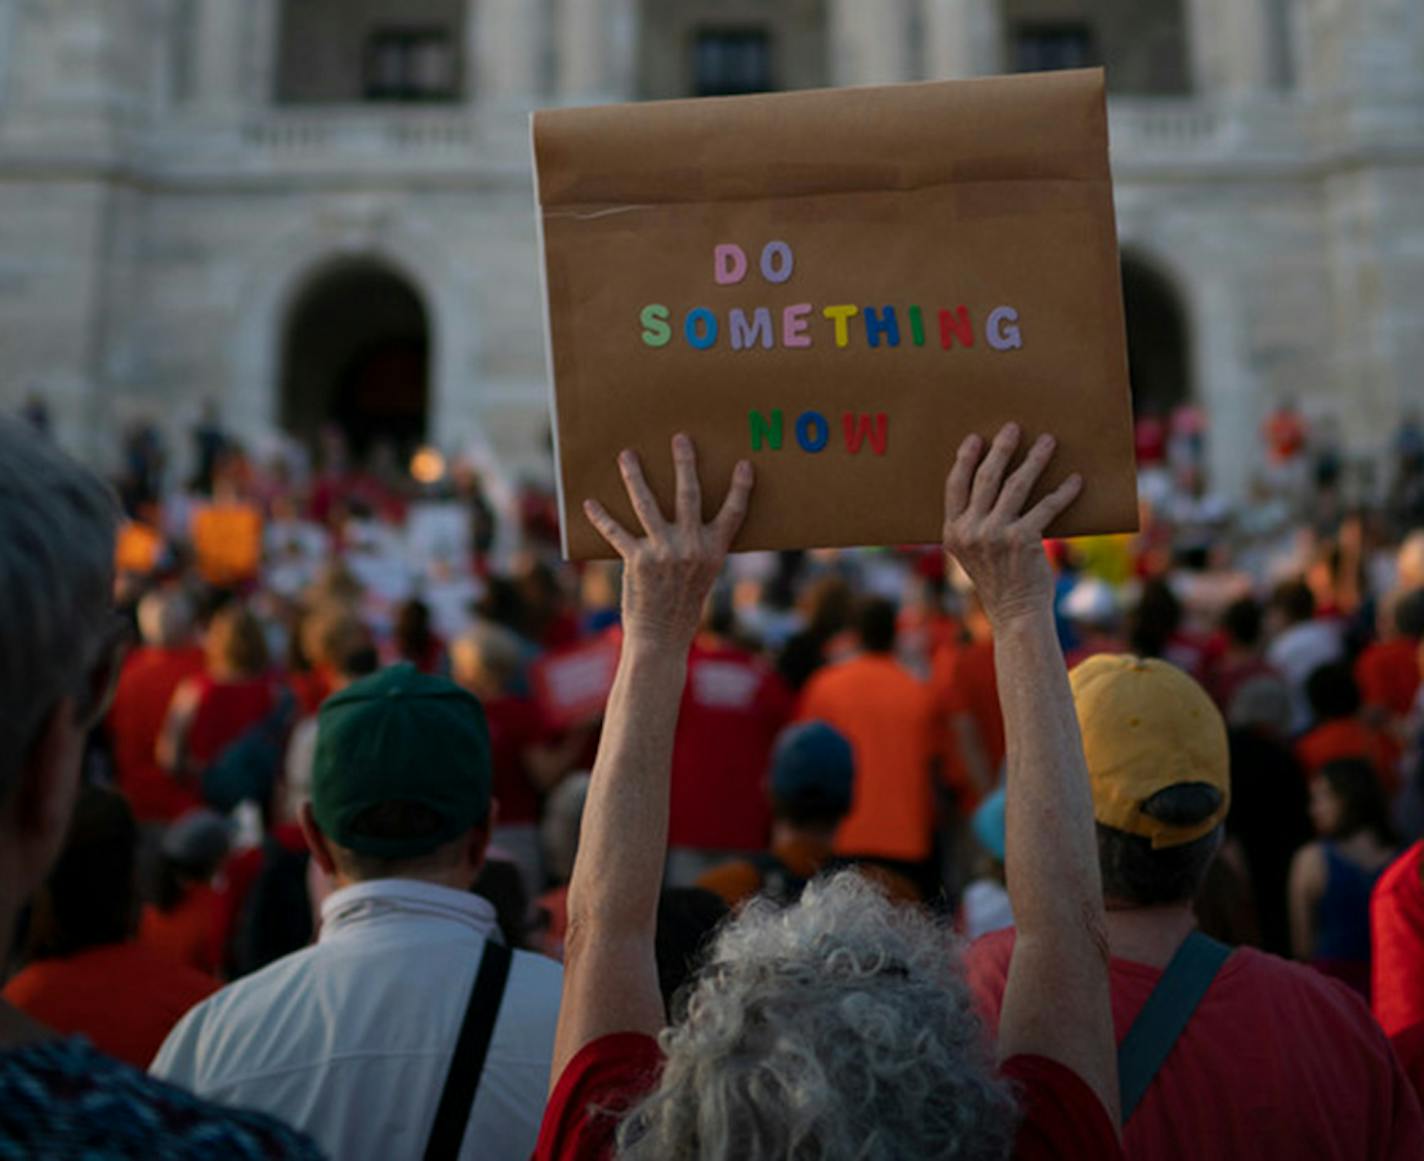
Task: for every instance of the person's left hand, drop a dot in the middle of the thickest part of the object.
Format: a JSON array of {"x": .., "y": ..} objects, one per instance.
[{"x": 668, "y": 574}]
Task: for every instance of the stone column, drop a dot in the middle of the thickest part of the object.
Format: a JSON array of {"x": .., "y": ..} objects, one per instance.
[
  {"x": 508, "y": 45},
  {"x": 582, "y": 30},
  {"x": 963, "y": 38},
  {"x": 1231, "y": 53},
  {"x": 220, "y": 54},
  {"x": 870, "y": 43}
]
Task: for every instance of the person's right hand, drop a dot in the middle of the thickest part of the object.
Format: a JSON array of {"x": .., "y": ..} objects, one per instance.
[
  {"x": 668, "y": 574},
  {"x": 998, "y": 544}
]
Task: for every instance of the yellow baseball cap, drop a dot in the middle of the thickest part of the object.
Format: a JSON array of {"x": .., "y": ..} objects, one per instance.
[{"x": 1146, "y": 727}]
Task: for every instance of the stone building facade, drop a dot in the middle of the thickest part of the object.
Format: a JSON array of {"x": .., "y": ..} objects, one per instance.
[{"x": 321, "y": 210}]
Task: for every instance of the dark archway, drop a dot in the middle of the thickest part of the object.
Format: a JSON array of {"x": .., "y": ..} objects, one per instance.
[
  {"x": 356, "y": 354},
  {"x": 1158, "y": 347}
]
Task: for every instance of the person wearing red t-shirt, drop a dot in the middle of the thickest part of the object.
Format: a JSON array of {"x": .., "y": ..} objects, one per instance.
[
  {"x": 210, "y": 712},
  {"x": 888, "y": 716},
  {"x": 1341, "y": 733},
  {"x": 1388, "y": 671},
  {"x": 965, "y": 695},
  {"x": 733, "y": 707},
  {"x": 1275, "y": 1060},
  {"x": 528, "y": 761},
  {"x": 182, "y": 922},
  {"x": 151, "y": 674},
  {"x": 867, "y": 991},
  {"x": 1397, "y": 943},
  {"x": 87, "y": 974}
]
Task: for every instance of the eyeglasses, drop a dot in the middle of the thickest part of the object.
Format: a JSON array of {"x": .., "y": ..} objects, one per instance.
[{"x": 102, "y": 678}]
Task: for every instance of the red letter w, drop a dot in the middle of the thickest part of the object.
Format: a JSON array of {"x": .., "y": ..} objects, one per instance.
[{"x": 858, "y": 427}]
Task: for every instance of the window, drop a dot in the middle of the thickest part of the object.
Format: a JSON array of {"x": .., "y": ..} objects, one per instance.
[
  {"x": 1042, "y": 47},
  {"x": 731, "y": 61},
  {"x": 410, "y": 64}
]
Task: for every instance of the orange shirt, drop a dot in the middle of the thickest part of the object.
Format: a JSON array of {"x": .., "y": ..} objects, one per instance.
[
  {"x": 125, "y": 997},
  {"x": 739, "y": 880},
  {"x": 1350, "y": 738},
  {"x": 1388, "y": 675},
  {"x": 146, "y": 685},
  {"x": 963, "y": 684},
  {"x": 887, "y": 716},
  {"x": 188, "y": 934}
]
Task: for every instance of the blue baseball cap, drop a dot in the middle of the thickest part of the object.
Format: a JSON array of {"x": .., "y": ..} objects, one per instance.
[{"x": 812, "y": 760}]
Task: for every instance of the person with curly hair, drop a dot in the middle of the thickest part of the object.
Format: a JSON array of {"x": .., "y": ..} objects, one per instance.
[{"x": 840, "y": 1027}]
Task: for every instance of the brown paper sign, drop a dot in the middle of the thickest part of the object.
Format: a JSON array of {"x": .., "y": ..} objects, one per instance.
[{"x": 839, "y": 286}]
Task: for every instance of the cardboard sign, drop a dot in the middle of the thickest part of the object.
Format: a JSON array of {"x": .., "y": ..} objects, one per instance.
[
  {"x": 839, "y": 285},
  {"x": 572, "y": 685}
]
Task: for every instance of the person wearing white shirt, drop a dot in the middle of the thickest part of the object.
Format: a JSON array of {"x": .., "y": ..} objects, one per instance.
[
  {"x": 353, "y": 1039},
  {"x": 1301, "y": 644}
]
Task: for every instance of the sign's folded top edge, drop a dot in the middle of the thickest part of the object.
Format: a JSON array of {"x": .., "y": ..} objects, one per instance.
[{"x": 724, "y": 148}]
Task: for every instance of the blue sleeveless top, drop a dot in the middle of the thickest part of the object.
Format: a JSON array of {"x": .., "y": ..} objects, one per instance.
[{"x": 1343, "y": 914}]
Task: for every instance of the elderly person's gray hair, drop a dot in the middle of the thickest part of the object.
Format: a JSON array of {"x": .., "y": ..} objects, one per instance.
[
  {"x": 165, "y": 619},
  {"x": 57, "y": 527},
  {"x": 838, "y": 1028}
]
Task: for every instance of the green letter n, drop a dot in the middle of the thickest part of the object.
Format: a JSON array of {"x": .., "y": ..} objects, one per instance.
[{"x": 766, "y": 433}]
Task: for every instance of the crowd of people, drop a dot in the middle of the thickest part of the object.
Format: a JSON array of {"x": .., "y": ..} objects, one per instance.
[{"x": 331, "y": 795}]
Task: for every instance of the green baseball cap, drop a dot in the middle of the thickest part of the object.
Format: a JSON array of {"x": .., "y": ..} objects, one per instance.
[{"x": 401, "y": 736}]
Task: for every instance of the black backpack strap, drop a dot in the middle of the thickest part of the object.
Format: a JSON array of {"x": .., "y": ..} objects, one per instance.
[
  {"x": 1165, "y": 1016},
  {"x": 468, "y": 1063}
]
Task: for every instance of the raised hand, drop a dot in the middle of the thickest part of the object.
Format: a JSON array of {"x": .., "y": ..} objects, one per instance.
[
  {"x": 668, "y": 574},
  {"x": 986, "y": 529}
]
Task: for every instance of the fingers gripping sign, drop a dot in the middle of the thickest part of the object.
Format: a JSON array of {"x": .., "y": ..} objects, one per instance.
[
  {"x": 669, "y": 571},
  {"x": 987, "y": 530}
]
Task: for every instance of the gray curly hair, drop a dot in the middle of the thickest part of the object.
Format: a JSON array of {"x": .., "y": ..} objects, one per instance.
[{"x": 839, "y": 1028}]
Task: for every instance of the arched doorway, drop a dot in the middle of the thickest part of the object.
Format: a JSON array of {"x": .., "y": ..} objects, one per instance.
[
  {"x": 356, "y": 354},
  {"x": 1158, "y": 350}
]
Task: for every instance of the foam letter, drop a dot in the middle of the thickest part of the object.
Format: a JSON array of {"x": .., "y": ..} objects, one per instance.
[
  {"x": 812, "y": 431},
  {"x": 656, "y": 331},
  {"x": 878, "y": 323},
  {"x": 858, "y": 427},
  {"x": 841, "y": 315},
  {"x": 955, "y": 325},
  {"x": 793, "y": 326},
  {"x": 769, "y": 265},
  {"x": 729, "y": 264},
  {"x": 1002, "y": 330},
  {"x": 695, "y": 337},
  {"x": 744, "y": 334},
  {"x": 917, "y": 326},
  {"x": 766, "y": 433}
]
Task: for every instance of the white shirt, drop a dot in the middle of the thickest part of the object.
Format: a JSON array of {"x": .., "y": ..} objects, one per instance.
[
  {"x": 1299, "y": 652},
  {"x": 350, "y": 1040}
]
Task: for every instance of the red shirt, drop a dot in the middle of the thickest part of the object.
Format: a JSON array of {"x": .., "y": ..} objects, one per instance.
[
  {"x": 887, "y": 715},
  {"x": 1063, "y": 1118},
  {"x": 1388, "y": 675},
  {"x": 189, "y": 932},
  {"x": 124, "y": 996},
  {"x": 146, "y": 685},
  {"x": 1350, "y": 738},
  {"x": 1397, "y": 939},
  {"x": 514, "y": 726},
  {"x": 1277, "y": 1062},
  {"x": 226, "y": 710},
  {"x": 733, "y": 706},
  {"x": 1409, "y": 1047}
]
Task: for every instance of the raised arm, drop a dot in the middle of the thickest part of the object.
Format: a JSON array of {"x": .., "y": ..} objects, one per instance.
[
  {"x": 610, "y": 973},
  {"x": 1056, "y": 1001}
]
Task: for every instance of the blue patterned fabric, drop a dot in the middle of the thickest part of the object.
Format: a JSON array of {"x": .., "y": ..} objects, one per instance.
[{"x": 61, "y": 1099}]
